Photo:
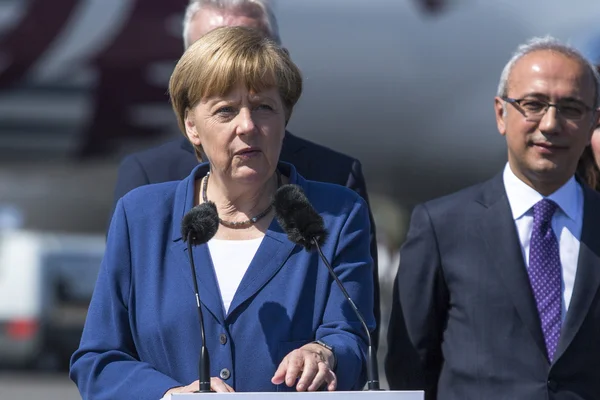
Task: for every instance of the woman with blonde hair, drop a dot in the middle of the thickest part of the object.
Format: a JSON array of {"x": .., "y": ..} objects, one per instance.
[{"x": 273, "y": 318}]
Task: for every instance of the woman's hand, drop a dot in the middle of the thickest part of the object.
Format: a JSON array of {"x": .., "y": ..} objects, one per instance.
[
  {"x": 216, "y": 385},
  {"x": 310, "y": 365}
]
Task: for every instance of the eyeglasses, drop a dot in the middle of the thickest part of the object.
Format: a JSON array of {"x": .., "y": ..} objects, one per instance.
[{"x": 534, "y": 109}]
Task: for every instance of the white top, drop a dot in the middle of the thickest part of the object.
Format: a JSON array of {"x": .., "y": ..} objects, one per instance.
[
  {"x": 566, "y": 223},
  {"x": 231, "y": 259}
]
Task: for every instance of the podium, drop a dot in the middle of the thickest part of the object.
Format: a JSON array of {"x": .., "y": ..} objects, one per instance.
[{"x": 364, "y": 395}]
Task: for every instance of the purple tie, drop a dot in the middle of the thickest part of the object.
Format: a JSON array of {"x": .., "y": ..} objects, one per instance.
[{"x": 545, "y": 273}]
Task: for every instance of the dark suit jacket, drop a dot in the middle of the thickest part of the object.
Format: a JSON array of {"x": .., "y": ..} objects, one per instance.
[
  {"x": 174, "y": 161},
  {"x": 141, "y": 335},
  {"x": 464, "y": 323}
]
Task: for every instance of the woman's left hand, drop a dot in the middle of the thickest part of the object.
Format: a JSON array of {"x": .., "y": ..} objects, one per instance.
[{"x": 310, "y": 365}]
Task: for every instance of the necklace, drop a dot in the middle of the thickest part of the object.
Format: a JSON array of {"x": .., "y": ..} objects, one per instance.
[{"x": 240, "y": 224}]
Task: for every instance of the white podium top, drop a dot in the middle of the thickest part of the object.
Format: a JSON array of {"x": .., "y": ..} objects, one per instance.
[{"x": 364, "y": 395}]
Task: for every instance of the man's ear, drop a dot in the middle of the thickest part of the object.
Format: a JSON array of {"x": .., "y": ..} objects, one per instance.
[{"x": 500, "y": 112}]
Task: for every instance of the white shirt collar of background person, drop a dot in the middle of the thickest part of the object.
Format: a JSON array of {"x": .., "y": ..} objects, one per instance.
[
  {"x": 522, "y": 197},
  {"x": 566, "y": 224}
]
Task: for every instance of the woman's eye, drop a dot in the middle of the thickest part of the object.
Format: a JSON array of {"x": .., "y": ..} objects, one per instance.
[{"x": 224, "y": 110}]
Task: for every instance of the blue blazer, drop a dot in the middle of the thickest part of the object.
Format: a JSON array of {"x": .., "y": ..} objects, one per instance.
[
  {"x": 173, "y": 161},
  {"x": 142, "y": 334}
]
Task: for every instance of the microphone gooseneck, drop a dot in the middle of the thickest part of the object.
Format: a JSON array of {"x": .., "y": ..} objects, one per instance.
[
  {"x": 199, "y": 225},
  {"x": 305, "y": 226},
  {"x": 372, "y": 373}
]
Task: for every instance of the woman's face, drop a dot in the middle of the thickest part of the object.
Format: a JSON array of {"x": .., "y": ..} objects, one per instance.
[
  {"x": 596, "y": 146},
  {"x": 241, "y": 133}
]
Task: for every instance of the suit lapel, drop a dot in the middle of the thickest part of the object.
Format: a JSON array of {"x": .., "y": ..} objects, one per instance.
[
  {"x": 272, "y": 254},
  {"x": 289, "y": 153},
  {"x": 587, "y": 280},
  {"x": 504, "y": 251}
]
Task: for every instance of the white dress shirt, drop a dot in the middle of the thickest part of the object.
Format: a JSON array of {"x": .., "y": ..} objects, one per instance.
[{"x": 566, "y": 224}]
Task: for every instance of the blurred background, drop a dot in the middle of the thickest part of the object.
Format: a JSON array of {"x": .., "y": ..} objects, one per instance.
[{"x": 406, "y": 86}]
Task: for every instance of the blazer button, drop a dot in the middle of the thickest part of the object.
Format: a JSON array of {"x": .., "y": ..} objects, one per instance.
[
  {"x": 552, "y": 385},
  {"x": 224, "y": 374},
  {"x": 223, "y": 338}
]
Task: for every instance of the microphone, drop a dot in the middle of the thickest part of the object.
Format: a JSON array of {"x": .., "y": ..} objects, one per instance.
[
  {"x": 198, "y": 226},
  {"x": 304, "y": 226}
]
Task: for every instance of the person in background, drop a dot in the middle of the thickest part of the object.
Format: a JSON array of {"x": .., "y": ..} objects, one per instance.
[
  {"x": 497, "y": 292},
  {"x": 589, "y": 163},
  {"x": 175, "y": 159},
  {"x": 273, "y": 318}
]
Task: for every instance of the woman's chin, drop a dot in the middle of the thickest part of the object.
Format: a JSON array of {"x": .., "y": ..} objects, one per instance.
[{"x": 249, "y": 175}]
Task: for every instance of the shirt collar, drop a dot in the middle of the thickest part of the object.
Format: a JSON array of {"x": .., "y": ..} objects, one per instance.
[{"x": 523, "y": 197}]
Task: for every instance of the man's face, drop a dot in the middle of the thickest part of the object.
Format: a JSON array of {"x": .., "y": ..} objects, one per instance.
[
  {"x": 544, "y": 153},
  {"x": 208, "y": 19}
]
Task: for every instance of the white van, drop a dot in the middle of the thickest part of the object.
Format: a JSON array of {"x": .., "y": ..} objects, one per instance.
[{"x": 46, "y": 283}]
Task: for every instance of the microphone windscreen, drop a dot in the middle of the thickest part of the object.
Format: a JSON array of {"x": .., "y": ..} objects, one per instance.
[
  {"x": 297, "y": 216},
  {"x": 202, "y": 222}
]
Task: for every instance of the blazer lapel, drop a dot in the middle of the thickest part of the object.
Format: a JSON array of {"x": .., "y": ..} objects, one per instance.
[
  {"x": 208, "y": 288},
  {"x": 587, "y": 279},
  {"x": 207, "y": 282},
  {"x": 272, "y": 254},
  {"x": 504, "y": 251}
]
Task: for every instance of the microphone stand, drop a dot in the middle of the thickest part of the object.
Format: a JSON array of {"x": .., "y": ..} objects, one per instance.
[
  {"x": 372, "y": 373},
  {"x": 204, "y": 362}
]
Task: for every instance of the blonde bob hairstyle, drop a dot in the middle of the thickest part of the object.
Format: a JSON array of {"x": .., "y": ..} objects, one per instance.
[{"x": 226, "y": 57}]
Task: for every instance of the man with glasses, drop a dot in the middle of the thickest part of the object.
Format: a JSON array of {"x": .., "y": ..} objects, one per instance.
[
  {"x": 498, "y": 290},
  {"x": 534, "y": 109}
]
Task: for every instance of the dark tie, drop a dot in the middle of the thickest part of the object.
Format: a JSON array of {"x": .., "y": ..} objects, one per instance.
[{"x": 545, "y": 273}]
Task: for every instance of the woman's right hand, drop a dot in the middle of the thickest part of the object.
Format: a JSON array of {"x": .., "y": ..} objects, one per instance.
[{"x": 216, "y": 385}]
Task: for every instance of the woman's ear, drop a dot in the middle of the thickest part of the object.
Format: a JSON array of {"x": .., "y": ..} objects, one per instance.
[{"x": 191, "y": 128}]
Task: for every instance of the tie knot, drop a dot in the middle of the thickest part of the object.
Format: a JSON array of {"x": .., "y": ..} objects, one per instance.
[{"x": 543, "y": 210}]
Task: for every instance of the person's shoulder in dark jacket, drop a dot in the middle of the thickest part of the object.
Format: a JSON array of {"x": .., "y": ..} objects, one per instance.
[
  {"x": 171, "y": 161},
  {"x": 460, "y": 200},
  {"x": 464, "y": 205},
  {"x": 320, "y": 163}
]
